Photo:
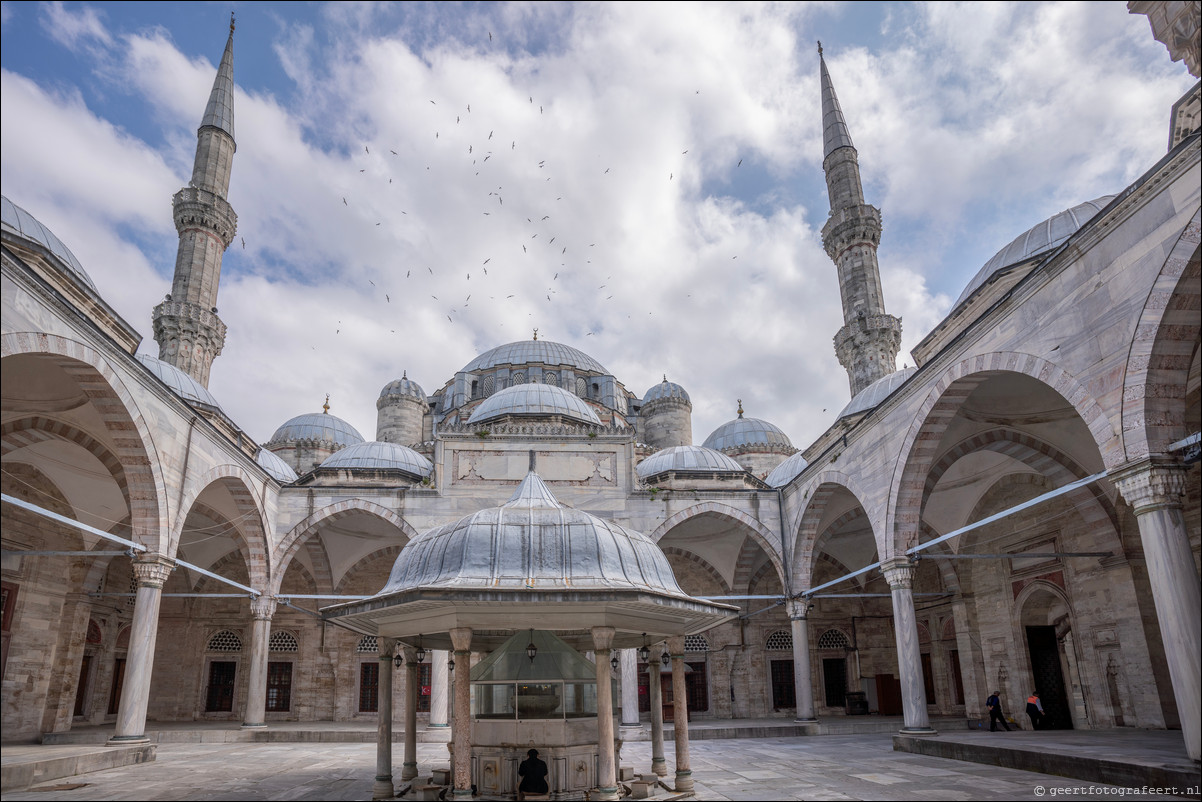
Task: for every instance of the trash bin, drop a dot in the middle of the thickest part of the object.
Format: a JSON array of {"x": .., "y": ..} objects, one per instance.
[{"x": 857, "y": 703}]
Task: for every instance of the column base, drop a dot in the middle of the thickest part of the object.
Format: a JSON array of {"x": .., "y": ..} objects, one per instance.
[
  {"x": 461, "y": 793},
  {"x": 684, "y": 781},
  {"x": 249, "y": 726},
  {"x": 383, "y": 788},
  {"x": 608, "y": 794},
  {"x": 805, "y": 721},
  {"x": 918, "y": 731},
  {"x": 408, "y": 771},
  {"x": 127, "y": 740},
  {"x": 659, "y": 766}
]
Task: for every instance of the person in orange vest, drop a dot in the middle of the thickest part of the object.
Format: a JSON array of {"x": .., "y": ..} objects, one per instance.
[{"x": 1035, "y": 711}]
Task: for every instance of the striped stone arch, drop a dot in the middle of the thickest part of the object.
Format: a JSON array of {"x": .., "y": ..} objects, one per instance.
[
  {"x": 753, "y": 584},
  {"x": 388, "y": 552},
  {"x": 292, "y": 541},
  {"x": 932, "y": 418},
  {"x": 241, "y": 548},
  {"x": 322, "y": 575},
  {"x": 1091, "y": 503},
  {"x": 701, "y": 562},
  {"x": 25, "y": 432},
  {"x": 946, "y": 568},
  {"x": 1166, "y": 336},
  {"x": 825, "y": 485},
  {"x": 763, "y": 536},
  {"x": 238, "y": 482},
  {"x": 133, "y": 444},
  {"x": 207, "y": 584}
]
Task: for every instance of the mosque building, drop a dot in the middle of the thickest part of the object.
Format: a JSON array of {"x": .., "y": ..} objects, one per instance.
[{"x": 1025, "y": 496}]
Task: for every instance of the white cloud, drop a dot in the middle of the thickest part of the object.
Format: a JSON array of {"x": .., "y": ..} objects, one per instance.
[{"x": 75, "y": 29}]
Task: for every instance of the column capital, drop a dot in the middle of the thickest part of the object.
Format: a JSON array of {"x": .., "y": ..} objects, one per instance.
[
  {"x": 603, "y": 638},
  {"x": 1151, "y": 483},
  {"x": 262, "y": 608},
  {"x": 676, "y": 646},
  {"x": 386, "y": 647},
  {"x": 151, "y": 570},
  {"x": 798, "y": 608},
  {"x": 899, "y": 572},
  {"x": 461, "y": 638}
]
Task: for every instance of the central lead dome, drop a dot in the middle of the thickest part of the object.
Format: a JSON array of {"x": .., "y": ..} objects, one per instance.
[{"x": 535, "y": 352}]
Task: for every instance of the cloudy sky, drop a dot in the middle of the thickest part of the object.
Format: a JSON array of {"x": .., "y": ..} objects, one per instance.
[{"x": 418, "y": 183}]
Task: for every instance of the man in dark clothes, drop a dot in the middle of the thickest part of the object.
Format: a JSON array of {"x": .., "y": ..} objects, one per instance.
[
  {"x": 994, "y": 705},
  {"x": 533, "y": 773}
]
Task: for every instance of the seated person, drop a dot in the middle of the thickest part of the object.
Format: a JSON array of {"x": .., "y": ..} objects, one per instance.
[{"x": 534, "y": 775}]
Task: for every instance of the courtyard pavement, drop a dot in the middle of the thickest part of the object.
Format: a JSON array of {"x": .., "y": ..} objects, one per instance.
[{"x": 862, "y": 766}]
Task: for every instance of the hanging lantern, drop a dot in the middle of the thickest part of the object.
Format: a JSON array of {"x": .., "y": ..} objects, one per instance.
[
  {"x": 644, "y": 652},
  {"x": 614, "y": 662},
  {"x": 397, "y": 660},
  {"x": 665, "y": 659},
  {"x": 531, "y": 649},
  {"x": 421, "y": 651}
]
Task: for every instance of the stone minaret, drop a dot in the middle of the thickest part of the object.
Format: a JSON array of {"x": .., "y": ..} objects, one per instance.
[
  {"x": 186, "y": 326},
  {"x": 868, "y": 342}
]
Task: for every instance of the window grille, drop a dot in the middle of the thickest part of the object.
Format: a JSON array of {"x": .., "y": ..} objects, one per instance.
[
  {"x": 283, "y": 642},
  {"x": 551, "y": 379},
  {"x": 780, "y": 641},
  {"x": 490, "y": 385},
  {"x": 517, "y": 378},
  {"x": 368, "y": 644},
  {"x": 832, "y": 639},
  {"x": 581, "y": 387},
  {"x": 225, "y": 641},
  {"x": 696, "y": 643}
]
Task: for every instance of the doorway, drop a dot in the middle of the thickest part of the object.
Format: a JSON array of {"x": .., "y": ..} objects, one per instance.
[{"x": 1049, "y": 680}]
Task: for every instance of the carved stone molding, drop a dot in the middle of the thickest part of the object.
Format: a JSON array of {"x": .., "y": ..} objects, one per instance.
[{"x": 1150, "y": 484}]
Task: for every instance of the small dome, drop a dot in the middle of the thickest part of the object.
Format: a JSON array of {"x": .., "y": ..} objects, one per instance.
[
  {"x": 281, "y": 471},
  {"x": 317, "y": 426},
  {"x": 180, "y": 383},
  {"x": 20, "y": 222},
  {"x": 534, "y": 399},
  {"x": 1049, "y": 234},
  {"x": 787, "y": 471},
  {"x": 532, "y": 541},
  {"x": 875, "y": 393},
  {"x": 686, "y": 458},
  {"x": 404, "y": 386},
  {"x": 666, "y": 389},
  {"x": 538, "y": 352},
  {"x": 380, "y": 456},
  {"x": 746, "y": 433}
]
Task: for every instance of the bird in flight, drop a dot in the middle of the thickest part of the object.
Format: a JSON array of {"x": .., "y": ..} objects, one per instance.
[
  {"x": 244, "y": 243},
  {"x": 387, "y": 299},
  {"x": 366, "y": 148},
  {"x": 393, "y": 152},
  {"x": 344, "y": 203}
]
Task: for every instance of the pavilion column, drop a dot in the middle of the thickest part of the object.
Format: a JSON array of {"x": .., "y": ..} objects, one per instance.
[
  {"x": 383, "y": 787},
  {"x": 438, "y": 689},
  {"x": 262, "y": 608},
  {"x": 1154, "y": 491},
  {"x": 680, "y": 715},
  {"x": 461, "y": 735},
  {"x": 630, "y": 689},
  {"x": 658, "y": 764},
  {"x": 899, "y": 573},
  {"x": 803, "y": 681},
  {"x": 412, "y": 678},
  {"x": 607, "y": 773},
  {"x": 151, "y": 572}
]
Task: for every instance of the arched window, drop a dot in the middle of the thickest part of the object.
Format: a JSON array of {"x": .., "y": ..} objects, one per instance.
[
  {"x": 490, "y": 384},
  {"x": 517, "y": 378},
  {"x": 94, "y": 634},
  {"x": 225, "y": 641},
  {"x": 282, "y": 642},
  {"x": 779, "y": 641},
  {"x": 696, "y": 643},
  {"x": 368, "y": 644},
  {"x": 581, "y": 387},
  {"x": 475, "y": 389},
  {"x": 123, "y": 639},
  {"x": 551, "y": 379},
  {"x": 832, "y": 639}
]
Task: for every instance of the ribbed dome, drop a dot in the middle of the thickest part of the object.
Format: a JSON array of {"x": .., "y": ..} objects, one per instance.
[
  {"x": 404, "y": 386},
  {"x": 532, "y": 541},
  {"x": 666, "y": 389},
  {"x": 20, "y": 222},
  {"x": 534, "y": 399},
  {"x": 686, "y": 458},
  {"x": 1043, "y": 237},
  {"x": 538, "y": 352},
  {"x": 281, "y": 471},
  {"x": 180, "y": 383},
  {"x": 875, "y": 393},
  {"x": 317, "y": 426},
  {"x": 746, "y": 432},
  {"x": 787, "y": 471},
  {"x": 376, "y": 456}
]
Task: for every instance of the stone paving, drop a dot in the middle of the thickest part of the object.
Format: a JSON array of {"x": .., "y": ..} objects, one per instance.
[{"x": 831, "y": 767}]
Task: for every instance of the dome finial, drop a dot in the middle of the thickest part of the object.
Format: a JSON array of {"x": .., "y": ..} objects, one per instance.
[
  {"x": 231, "y": 22},
  {"x": 819, "y": 48},
  {"x": 536, "y": 333},
  {"x": 665, "y": 378},
  {"x": 740, "y": 407},
  {"x": 325, "y": 408},
  {"x": 405, "y": 374}
]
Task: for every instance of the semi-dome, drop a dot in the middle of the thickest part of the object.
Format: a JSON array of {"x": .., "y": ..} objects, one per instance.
[
  {"x": 875, "y": 393},
  {"x": 319, "y": 426},
  {"x": 404, "y": 386},
  {"x": 787, "y": 471},
  {"x": 746, "y": 433},
  {"x": 535, "y": 352},
  {"x": 180, "y": 383},
  {"x": 17, "y": 221},
  {"x": 278, "y": 469},
  {"x": 532, "y": 542},
  {"x": 666, "y": 389},
  {"x": 1045, "y": 236},
  {"x": 534, "y": 399},
  {"x": 686, "y": 458},
  {"x": 375, "y": 455}
]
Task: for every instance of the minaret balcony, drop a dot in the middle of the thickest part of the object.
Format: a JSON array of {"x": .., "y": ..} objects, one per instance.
[
  {"x": 852, "y": 225},
  {"x": 194, "y": 207}
]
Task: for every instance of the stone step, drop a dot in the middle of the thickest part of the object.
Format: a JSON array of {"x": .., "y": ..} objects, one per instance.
[{"x": 24, "y": 766}]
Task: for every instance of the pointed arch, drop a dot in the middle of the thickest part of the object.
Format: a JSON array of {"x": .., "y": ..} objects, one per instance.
[
  {"x": 714, "y": 573},
  {"x": 364, "y": 561},
  {"x": 237, "y": 483},
  {"x": 763, "y": 536},
  {"x": 825, "y": 485}
]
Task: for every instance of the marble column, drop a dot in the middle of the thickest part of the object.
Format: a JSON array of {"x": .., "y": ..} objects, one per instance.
[
  {"x": 630, "y": 693},
  {"x": 151, "y": 572},
  {"x": 899, "y": 573},
  {"x": 607, "y": 773},
  {"x": 1154, "y": 489},
  {"x": 262, "y": 608},
  {"x": 438, "y": 689},
  {"x": 658, "y": 764},
  {"x": 803, "y": 681},
  {"x": 412, "y": 678},
  {"x": 461, "y": 734},
  {"x": 680, "y": 715},
  {"x": 383, "y": 787}
]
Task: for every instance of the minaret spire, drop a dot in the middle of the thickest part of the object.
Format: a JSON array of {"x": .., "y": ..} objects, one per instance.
[
  {"x": 867, "y": 344},
  {"x": 186, "y": 326}
]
